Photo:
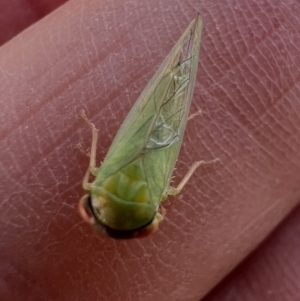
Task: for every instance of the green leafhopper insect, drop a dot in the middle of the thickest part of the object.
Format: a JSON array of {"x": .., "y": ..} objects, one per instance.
[{"x": 129, "y": 186}]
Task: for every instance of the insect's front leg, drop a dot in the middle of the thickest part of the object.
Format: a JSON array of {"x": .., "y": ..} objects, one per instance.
[
  {"x": 177, "y": 190},
  {"x": 92, "y": 169},
  {"x": 192, "y": 116}
]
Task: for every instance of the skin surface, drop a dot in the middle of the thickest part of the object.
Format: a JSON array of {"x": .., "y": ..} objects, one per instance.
[
  {"x": 98, "y": 56},
  {"x": 16, "y": 15},
  {"x": 271, "y": 273}
]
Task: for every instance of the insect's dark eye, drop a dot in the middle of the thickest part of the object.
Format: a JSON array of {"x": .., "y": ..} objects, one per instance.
[{"x": 85, "y": 210}]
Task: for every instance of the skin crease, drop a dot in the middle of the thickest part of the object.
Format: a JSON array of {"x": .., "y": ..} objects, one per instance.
[
  {"x": 15, "y": 15},
  {"x": 98, "y": 56}
]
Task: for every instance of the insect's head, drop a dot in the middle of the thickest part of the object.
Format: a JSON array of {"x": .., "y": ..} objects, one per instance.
[{"x": 124, "y": 223}]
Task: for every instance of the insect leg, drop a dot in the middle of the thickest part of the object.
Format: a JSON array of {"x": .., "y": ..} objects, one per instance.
[
  {"x": 177, "y": 190},
  {"x": 192, "y": 116},
  {"x": 92, "y": 165}
]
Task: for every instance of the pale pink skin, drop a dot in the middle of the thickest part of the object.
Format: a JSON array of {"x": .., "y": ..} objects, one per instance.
[{"x": 97, "y": 56}]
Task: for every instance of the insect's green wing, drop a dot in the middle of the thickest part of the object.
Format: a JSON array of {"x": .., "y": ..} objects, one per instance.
[{"x": 141, "y": 159}]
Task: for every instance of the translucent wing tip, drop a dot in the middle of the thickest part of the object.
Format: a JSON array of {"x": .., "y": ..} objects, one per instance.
[{"x": 198, "y": 21}]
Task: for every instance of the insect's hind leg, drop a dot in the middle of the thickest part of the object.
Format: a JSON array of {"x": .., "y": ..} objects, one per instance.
[{"x": 177, "y": 190}]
